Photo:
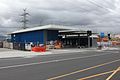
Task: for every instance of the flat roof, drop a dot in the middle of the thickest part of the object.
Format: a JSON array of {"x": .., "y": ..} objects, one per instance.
[
  {"x": 73, "y": 31},
  {"x": 46, "y": 27}
]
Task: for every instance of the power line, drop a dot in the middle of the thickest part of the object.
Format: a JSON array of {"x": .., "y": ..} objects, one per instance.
[
  {"x": 81, "y": 8},
  {"x": 94, "y": 3},
  {"x": 107, "y": 2}
]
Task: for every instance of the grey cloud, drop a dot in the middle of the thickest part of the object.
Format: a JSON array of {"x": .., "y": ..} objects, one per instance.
[{"x": 63, "y": 12}]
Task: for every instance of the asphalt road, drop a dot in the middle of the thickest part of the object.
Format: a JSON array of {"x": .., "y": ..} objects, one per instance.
[{"x": 92, "y": 65}]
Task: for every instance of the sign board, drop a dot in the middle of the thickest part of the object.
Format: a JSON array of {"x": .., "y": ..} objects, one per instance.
[{"x": 102, "y": 34}]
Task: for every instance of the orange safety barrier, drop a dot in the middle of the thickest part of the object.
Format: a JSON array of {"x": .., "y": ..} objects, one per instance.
[
  {"x": 118, "y": 43},
  {"x": 105, "y": 39},
  {"x": 114, "y": 42},
  {"x": 39, "y": 49}
]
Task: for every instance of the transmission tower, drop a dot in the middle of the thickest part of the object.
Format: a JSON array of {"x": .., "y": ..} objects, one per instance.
[{"x": 24, "y": 20}]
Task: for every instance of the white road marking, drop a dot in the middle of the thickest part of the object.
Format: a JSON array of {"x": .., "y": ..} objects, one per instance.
[{"x": 52, "y": 61}]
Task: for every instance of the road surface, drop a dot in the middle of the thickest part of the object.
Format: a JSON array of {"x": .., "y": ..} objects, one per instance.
[{"x": 89, "y": 65}]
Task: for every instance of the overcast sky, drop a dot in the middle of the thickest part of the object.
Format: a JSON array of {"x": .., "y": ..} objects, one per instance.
[{"x": 98, "y": 15}]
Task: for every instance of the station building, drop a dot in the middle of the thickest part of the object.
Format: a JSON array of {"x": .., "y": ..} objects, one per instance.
[
  {"x": 70, "y": 37},
  {"x": 39, "y": 34}
]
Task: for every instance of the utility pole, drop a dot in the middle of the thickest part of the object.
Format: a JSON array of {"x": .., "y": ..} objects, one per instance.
[
  {"x": 24, "y": 20},
  {"x": 89, "y": 33}
]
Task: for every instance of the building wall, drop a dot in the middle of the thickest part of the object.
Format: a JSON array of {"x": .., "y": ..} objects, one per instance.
[
  {"x": 52, "y": 35},
  {"x": 35, "y": 36}
]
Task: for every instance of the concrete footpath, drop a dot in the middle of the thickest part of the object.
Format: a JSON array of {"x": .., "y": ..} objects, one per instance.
[{"x": 8, "y": 53}]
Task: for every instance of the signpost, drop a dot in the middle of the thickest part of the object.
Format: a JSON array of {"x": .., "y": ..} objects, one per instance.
[
  {"x": 109, "y": 44},
  {"x": 89, "y": 33},
  {"x": 109, "y": 36},
  {"x": 102, "y": 35}
]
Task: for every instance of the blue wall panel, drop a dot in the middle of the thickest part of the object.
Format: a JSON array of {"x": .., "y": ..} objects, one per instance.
[
  {"x": 52, "y": 35},
  {"x": 34, "y": 36}
]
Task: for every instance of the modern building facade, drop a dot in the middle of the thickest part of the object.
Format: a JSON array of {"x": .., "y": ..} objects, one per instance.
[
  {"x": 70, "y": 37},
  {"x": 40, "y": 34}
]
